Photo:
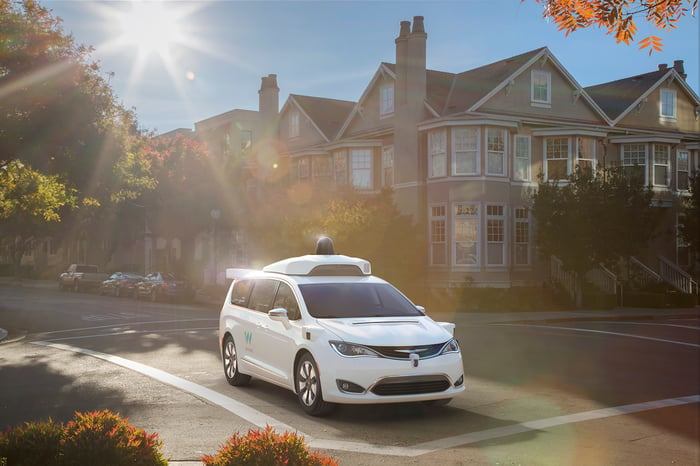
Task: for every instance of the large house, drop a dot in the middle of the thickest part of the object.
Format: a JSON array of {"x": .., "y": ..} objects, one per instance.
[{"x": 463, "y": 151}]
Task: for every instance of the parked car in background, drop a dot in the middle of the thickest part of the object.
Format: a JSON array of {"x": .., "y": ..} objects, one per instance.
[
  {"x": 161, "y": 286},
  {"x": 120, "y": 284},
  {"x": 81, "y": 277}
]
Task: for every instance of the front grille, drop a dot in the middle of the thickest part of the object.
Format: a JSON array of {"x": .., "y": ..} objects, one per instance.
[
  {"x": 404, "y": 352},
  {"x": 411, "y": 385}
]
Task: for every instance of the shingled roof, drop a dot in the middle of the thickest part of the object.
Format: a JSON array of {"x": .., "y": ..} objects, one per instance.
[
  {"x": 616, "y": 97},
  {"x": 327, "y": 114}
]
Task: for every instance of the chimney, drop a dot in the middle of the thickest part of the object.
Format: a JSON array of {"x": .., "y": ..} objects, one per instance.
[
  {"x": 401, "y": 63},
  {"x": 663, "y": 66},
  {"x": 678, "y": 66},
  {"x": 416, "y": 71},
  {"x": 268, "y": 103}
]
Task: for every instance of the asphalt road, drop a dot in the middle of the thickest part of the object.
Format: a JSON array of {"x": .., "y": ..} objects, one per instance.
[{"x": 579, "y": 388}]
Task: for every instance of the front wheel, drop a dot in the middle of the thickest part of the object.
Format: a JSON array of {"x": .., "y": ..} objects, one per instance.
[
  {"x": 308, "y": 387},
  {"x": 230, "y": 357}
]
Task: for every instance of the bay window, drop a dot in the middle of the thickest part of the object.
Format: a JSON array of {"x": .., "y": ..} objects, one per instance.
[
  {"x": 496, "y": 151},
  {"x": 557, "y": 158},
  {"x": 466, "y": 234},
  {"x": 361, "y": 168},
  {"x": 465, "y": 151},
  {"x": 522, "y": 158},
  {"x": 495, "y": 235},
  {"x": 437, "y": 153},
  {"x": 438, "y": 235},
  {"x": 662, "y": 164}
]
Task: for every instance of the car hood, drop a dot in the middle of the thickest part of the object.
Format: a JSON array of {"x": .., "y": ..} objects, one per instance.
[{"x": 387, "y": 331}]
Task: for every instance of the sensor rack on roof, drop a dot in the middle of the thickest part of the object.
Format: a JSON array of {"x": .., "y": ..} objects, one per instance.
[{"x": 321, "y": 265}]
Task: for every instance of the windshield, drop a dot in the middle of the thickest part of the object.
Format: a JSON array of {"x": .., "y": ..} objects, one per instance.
[{"x": 343, "y": 300}]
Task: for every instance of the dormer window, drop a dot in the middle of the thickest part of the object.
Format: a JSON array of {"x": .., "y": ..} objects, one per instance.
[
  {"x": 667, "y": 104},
  {"x": 294, "y": 124},
  {"x": 386, "y": 105},
  {"x": 541, "y": 89}
]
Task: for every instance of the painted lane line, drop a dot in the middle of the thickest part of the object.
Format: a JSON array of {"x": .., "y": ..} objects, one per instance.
[
  {"x": 641, "y": 323},
  {"x": 133, "y": 332},
  {"x": 82, "y": 329},
  {"x": 241, "y": 410},
  {"x": 604, "y": 332},
  {"x": 261, "y": 420},
  {"x": 541, "y": 424}
]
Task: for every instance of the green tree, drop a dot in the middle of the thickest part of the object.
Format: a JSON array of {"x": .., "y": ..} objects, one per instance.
[
  {"x": 618, "y": 17},
  {"x": 690, "y": 228},
  {"x": 594, "y": 218},
  {"x": 28, "y": 201}
]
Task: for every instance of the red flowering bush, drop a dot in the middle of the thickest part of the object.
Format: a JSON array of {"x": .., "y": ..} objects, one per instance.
[
  {"x": 31, "y": 443},
  {"x": 266, "y": 447},
  {"x": 99, "y": 437}
]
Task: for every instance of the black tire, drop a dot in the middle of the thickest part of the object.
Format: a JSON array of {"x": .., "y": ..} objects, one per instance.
[
  {"x": 230, "y": 359},
  {"x": 308, "y": 387}
]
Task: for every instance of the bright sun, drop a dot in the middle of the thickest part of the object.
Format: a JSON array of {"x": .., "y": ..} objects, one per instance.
[{"x": 151, "y": 27}]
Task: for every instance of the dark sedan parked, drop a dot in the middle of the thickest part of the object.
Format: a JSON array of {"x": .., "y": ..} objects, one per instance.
[
  {"x": 158, "y": 286},
  {"x": 120, "y": 284}
]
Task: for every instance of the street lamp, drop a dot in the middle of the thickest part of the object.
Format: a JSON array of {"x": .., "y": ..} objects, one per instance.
[{"x": 215, "y": 215}]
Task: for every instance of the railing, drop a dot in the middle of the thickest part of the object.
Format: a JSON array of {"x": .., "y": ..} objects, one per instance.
[
  {"x": 676, "y": 277},
  {"x": 566, "y": 278},
  {"x": 641, "y": 275},
  {"x": 603, "y": 279}
]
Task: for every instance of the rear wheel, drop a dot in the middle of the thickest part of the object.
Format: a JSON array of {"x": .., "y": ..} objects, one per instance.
[
  {"x": 230, "y": 359},
  {"x": 308, "y": 387}
]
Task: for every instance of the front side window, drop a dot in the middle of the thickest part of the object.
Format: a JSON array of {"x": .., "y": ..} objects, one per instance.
[
  {"x": 387, "y": 99},
  {"x": 522, "y": 158},
  {"x": 496, "y": 151},
  {"x": 465, "y": 151},
  {"x": 495, "y": 235},
  {"x": 361, "y": 168},
  {"x": 682, "y": 170},
  {"x": 294, "y": 124},
  {"x": 521, "y": 238},
  {"x": 437, "y": 151},
  {"x": 662, "y": 164},
  {"x": 667, "y": 104},
  {"x": 388, "y": 166},
  {"x": 466, "y": 222},
  {"x": 585, "y": 154},
  {"x": 541, "y": 87},
  {"x": 285, "y": 299},
  {"x": 438, "y": 235},
  {"x": 557, "y": 157},
  {"x": 634, "y": 160}
]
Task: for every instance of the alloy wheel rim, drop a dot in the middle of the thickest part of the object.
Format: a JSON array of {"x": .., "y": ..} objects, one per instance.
[{"x": 307, "y": 383}]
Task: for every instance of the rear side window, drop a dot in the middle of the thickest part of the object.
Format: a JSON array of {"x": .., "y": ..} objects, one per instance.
[
  {"x": 241, "y": 292},
  {"x": 262, "y": 295}
]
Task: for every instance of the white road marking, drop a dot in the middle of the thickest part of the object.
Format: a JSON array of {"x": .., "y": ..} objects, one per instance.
[
  {"x": 261, "y": 420},
  {"x": 693, "y": 345},
  {"x": 642, "y": 323},
  {"x": 82, "y": 329}
]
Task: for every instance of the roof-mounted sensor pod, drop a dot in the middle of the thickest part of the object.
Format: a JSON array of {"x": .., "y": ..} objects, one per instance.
[{"x": 324, "y": 246}]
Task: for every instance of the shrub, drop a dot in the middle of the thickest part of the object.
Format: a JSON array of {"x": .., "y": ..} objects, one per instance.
[
  {"x": 266, "y": 447},
  {"x": 33, "y": 443},
  {"x": 105, "y": 438}
]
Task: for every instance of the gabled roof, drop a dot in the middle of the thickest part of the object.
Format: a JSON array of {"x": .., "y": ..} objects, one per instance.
[
  {"x": 326, "y": 115},
  {"x": 618, "y": 98}
]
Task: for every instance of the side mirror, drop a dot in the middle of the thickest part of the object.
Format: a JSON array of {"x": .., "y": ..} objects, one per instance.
[
  {"x": 279, "y": 314},
  {"x": 421, "y": 309}
]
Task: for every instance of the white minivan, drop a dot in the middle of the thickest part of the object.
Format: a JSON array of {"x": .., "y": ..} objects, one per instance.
[{"x": 324, "y": 327}]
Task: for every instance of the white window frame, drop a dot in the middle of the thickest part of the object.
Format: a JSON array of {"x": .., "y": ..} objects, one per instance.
[
  {"x": 535, "y": 77},
  {"x": 567, "y": 157},
  {"x": 321, "y": 166},
  {"x": 438, "y": 232},
  {"x": 583, "y": 143},
  {"x": 386, "y": 100},
  {"x": 469, "y": 214},
  {"x": 340, "y": 168},
  {"x": 521, "y": 221},
  {"x": 683, "y": 167},
  {"x": 667, "y": 98},
  {"x": 462, "y": 148},
  {"x": 361, "y": 175},
  {"x": 496, "y": 151},
  {"x": 661, "y": 152},
  {"x": 437, "y": 153},
  {"x": 294, "y": 124},
  {"x": 522, "y": 158},
  {"x": 630, "y": 158},
  {"x": 388, "y": 166},
  {"x": 496, "y": 233}
]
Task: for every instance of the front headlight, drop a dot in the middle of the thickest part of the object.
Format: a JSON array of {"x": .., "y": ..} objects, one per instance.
[
  {"x": 351, "y": 349},
  {"x": 450, "y": 347}
]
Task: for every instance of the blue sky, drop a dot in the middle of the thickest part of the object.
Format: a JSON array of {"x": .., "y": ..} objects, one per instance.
[{"x": 333, "y": 48}]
